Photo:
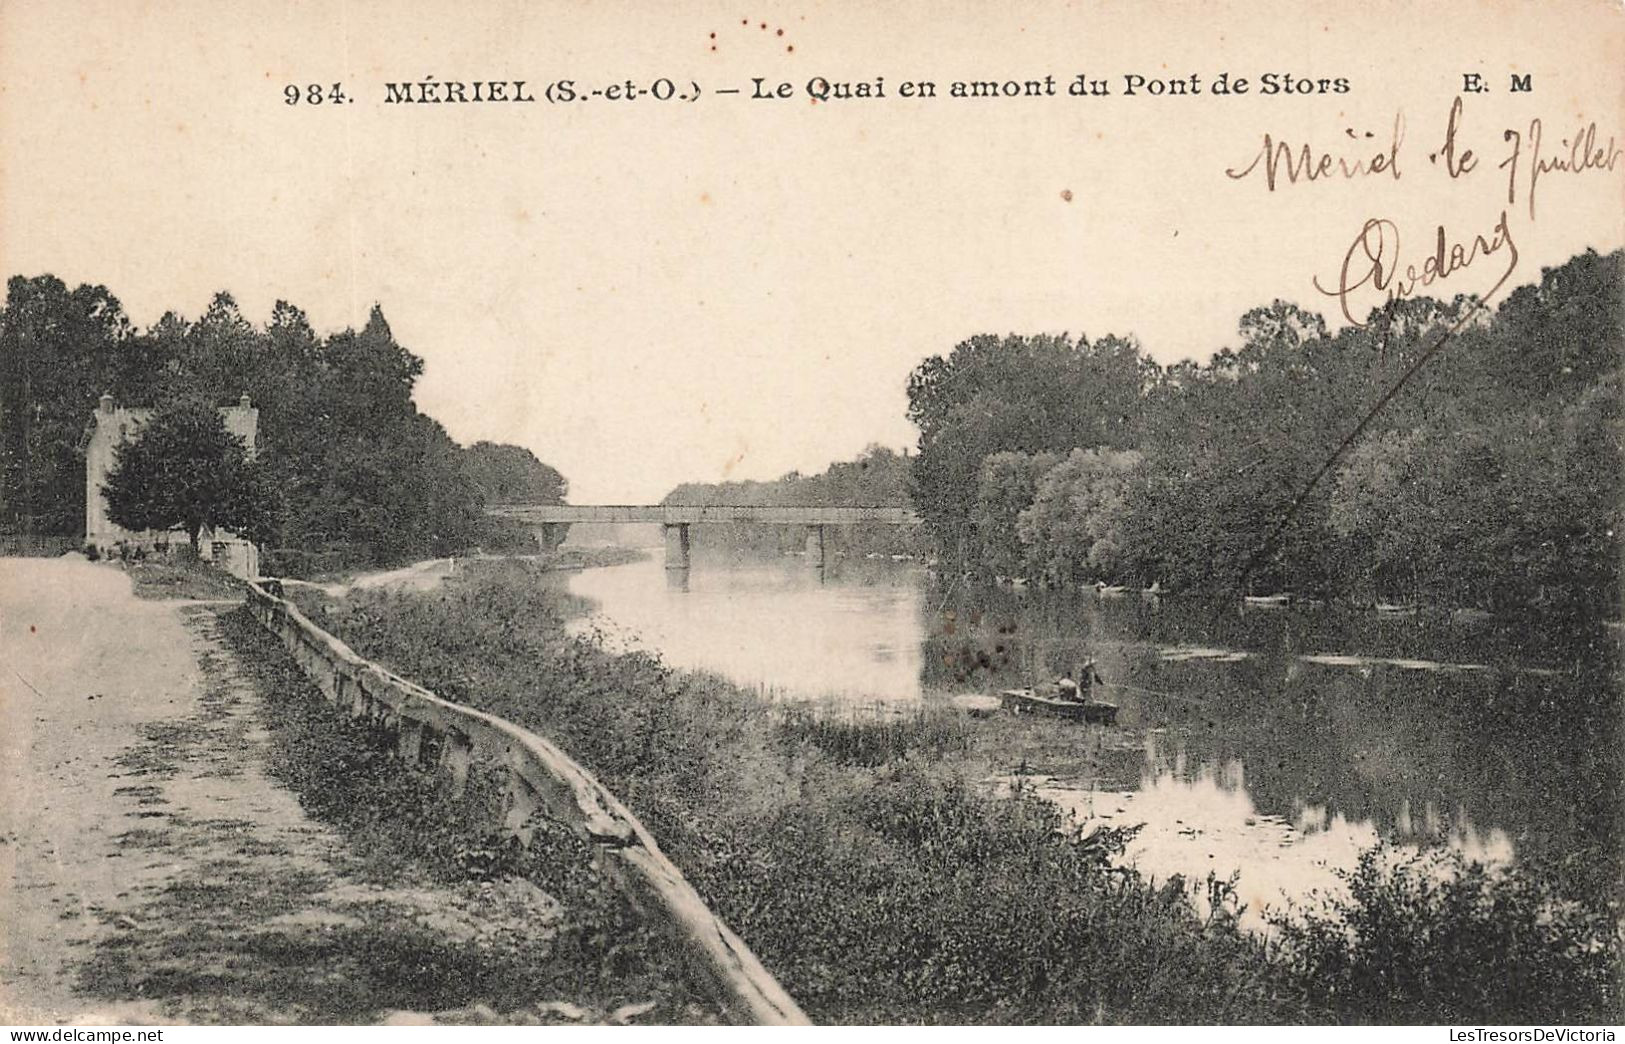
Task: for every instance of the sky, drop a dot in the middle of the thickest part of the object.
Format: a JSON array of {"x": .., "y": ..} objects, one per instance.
[{"x": 646, "y": 293}]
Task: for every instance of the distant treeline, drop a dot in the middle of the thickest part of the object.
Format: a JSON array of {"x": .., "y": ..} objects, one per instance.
[
  {"x": 359, "y": 474},
  {"x": 1491, "y": 479},
  {"x": 877, "y": 478}
]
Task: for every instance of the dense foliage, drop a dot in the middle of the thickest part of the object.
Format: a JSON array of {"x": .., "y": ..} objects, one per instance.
[
  {"x": 54, "y": 345},
  {"x": 1492, "y": 478},
  {"x": 1016, "y": 394},
  {"x": 358, "y": 475},
  {"x": 1433, "y": 938},
  {"x": 512, "y": 475}
]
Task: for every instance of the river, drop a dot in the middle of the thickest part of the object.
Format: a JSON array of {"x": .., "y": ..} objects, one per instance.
[{"x": 1274, "y": 745}]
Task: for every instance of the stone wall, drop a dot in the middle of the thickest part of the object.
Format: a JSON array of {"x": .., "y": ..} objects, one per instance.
[{"x": 541, "y": 777}]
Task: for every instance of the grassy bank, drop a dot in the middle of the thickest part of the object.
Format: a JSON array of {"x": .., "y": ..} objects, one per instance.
[
  {"x": 178, "y": 577},
  {"x": 879, "y": 882},
  {"x": 574, "y": 940},
  {"x": 571, "y": 556}
]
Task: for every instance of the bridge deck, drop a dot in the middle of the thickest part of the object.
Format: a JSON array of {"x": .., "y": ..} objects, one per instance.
[{"x": 674, "y": 514}]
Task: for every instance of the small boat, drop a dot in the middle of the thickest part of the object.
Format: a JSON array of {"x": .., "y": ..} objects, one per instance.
[
  {"x": 1026, "y": 701},
  {"x": 1394, "y": 609},
  {"x": 1112, "y": 591},
  {"x": 1274, "y": 601}
]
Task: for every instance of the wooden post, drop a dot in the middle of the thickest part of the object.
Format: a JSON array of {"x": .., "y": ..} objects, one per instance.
[
  {"x": 523, "y": 802},
  {"x": 409, "y": 740},
  {"x": 455, "y": 758}
]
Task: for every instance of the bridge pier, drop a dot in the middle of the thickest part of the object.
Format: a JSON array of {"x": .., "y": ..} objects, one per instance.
[
  {"x": 676, "y": 545},
  {"x": 815, "y": 546}
]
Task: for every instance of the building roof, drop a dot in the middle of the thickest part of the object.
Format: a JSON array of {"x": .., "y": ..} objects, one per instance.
[{"x": 135, "y": 416}]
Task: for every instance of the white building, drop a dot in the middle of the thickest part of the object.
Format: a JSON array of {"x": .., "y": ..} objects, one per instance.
[{"x": 112, "y": 425}]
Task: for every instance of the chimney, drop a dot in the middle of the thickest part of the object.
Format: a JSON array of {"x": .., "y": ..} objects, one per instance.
[{"x": 105, "y": 403}]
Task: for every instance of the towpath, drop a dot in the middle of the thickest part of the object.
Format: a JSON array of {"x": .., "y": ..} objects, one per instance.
[{"x": 153, "y": 870}]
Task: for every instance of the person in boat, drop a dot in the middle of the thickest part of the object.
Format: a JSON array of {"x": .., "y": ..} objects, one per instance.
[{"x": 1078, "y": 691}]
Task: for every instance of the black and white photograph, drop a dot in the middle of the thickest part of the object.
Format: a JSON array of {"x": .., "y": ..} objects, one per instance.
[{"x": 585, "y": 513}]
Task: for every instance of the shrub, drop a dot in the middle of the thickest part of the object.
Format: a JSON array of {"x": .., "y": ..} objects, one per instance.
[
  {"x": 1433, "y": 938},
  {"x": 906, "y": 895},
  {"x": 875, "y": 742}
]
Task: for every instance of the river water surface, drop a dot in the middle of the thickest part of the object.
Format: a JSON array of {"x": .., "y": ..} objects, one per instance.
[{"x": 1276, "y": 745}]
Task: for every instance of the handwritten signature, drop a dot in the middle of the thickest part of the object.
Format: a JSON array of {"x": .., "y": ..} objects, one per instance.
[{"x": 1372, "y": 260}]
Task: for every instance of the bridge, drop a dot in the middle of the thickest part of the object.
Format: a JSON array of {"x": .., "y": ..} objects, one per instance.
[{"x": 551, "y": 519}]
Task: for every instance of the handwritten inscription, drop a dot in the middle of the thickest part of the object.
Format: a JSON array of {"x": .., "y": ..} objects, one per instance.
[
  {"x": 1373, "y": 260},
  {"x": 1308, "y": 163},
  {"x": 1374, "y": 265},
  {"x": 1575, "y": 155}
]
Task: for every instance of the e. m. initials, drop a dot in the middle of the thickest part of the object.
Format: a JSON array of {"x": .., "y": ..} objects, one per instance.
[{"x": 1473, "y": 83}]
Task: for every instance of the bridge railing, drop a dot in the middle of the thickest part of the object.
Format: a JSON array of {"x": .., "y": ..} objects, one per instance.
[
  {"x": 540, "y": 778},
  {"x": 681, "y": 514}
]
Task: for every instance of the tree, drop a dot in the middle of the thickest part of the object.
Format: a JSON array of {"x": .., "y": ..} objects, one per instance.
[
  {"x": 509, "y": 474},
  {"x": 1024, "y": 394},
  {"x": 1076, "y": 527},
  {"x": 1005, "y": 488},
  {"x": 56, "y": 347},
  {"x": 354, "y": 471},
  {"x": 184, "y": 469}
]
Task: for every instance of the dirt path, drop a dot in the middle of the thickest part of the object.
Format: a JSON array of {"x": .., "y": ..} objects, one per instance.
[
  {"x": 151, "y": 870},
  {"x": 86, "y": 667},
  {"x": 419, "y": 576}
]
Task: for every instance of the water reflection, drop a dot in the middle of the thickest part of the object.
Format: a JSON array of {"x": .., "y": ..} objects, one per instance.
[
  {"x": 1279, "y": 744},
  {"x": 1201, "y": 818},
  {"x": 774, "y": 626}
]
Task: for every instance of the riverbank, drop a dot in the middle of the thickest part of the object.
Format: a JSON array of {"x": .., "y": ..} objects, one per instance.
[
  {"x": 502, "y": 935},
  {"x": 880, "y": 881},
  {"x": 428, "y": 573},
  {"x": 196, "y": 836}
]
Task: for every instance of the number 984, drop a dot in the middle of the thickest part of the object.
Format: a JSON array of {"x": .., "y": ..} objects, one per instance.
[{"x": 314, "y": 94}]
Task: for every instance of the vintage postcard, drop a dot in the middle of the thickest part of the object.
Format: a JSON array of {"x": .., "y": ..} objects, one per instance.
[{"x": 604, "y": 513}]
